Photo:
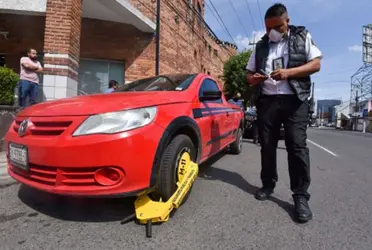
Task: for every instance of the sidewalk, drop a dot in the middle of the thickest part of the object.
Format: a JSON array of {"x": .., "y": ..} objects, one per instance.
[{"x": 3, "y": 168}]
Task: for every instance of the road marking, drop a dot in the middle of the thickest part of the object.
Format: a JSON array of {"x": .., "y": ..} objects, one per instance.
[{"x": 321, "y": 147}]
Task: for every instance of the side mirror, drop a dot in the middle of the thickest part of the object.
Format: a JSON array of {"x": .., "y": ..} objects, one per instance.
[{"x": 211, "y": 95}]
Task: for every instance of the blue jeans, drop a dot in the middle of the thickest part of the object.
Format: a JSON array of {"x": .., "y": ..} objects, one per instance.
[{"x": 27, "y": 89}]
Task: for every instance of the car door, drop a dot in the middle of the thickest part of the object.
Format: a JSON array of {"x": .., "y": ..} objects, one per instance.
[{"x": 211, "y": 124}]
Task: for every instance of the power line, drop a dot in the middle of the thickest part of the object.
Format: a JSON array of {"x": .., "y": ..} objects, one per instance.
[
  {"x": 250, "y": 14},
  {"x": 336, "y": 81},
  {"x": 206, "y": 26},
  {"x": 336, "y": 72},
  {"x": 191, "y": 27},
  {"x": 219, "y": 23},
  {"x": 259, "y": 10},
  {"x": 186, "y": 40},
  {"x": 210, "y": 1},
  {"x": 240, "y": 21},
  {"x": 214, "y": 15}
]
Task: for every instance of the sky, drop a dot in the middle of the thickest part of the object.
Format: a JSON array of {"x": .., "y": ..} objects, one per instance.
[{"x": 335, "y": 26}]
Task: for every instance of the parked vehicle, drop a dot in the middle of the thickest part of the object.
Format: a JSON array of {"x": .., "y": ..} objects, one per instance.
[
  {"x": 251, "y": 127},
  {"x": 127, "y": 143}
]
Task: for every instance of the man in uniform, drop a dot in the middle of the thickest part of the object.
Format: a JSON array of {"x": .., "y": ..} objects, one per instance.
[{"x": 279, "y": 70}]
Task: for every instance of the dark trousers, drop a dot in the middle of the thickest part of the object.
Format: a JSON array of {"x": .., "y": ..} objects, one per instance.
[
  {"x": 273, "y": 111},
  {"x": 27, "y": 89},
  {"x": 255, "y": 131}
]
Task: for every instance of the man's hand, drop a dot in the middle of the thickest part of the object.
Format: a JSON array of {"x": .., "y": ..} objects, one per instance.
[
  {"x": 257, "y": 78},
  {"x": 39, "y": 70},
  {"x": 280, "y": 74}
]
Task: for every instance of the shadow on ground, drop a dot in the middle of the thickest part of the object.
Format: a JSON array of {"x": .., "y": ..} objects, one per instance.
[
  {"x": 76, "y": 209},
  {"x": 209, "y": 172},
  {"x": 116, "y": 209}
]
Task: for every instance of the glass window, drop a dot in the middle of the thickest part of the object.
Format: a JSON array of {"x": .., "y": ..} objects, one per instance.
[
  {"x": 209, "y": 85},
  {"x": 2, "y": 60},
  {"x": 95, "y": 75},
  {"x": 177, "y": 82}
]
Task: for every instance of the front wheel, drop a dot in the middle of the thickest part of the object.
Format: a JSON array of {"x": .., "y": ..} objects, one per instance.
[{"x": 174, "y": 160}]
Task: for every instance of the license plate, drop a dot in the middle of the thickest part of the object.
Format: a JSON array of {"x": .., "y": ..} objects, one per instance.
[{"x": 18, "y": 156}]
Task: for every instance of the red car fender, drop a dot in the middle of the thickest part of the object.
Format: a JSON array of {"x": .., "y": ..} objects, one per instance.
[{"x": 181, "y": 124}]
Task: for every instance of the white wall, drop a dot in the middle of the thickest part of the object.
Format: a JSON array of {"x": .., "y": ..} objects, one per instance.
[{"x": 38, "y": 6}]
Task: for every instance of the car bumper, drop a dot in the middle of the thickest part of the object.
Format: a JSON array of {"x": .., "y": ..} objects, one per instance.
[{"x": 69, "y": 165}]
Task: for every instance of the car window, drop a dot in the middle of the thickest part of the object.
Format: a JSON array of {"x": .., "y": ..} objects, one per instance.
[
  {"x": 209, "y": 85},
  {"x": 160, "y": 83}
]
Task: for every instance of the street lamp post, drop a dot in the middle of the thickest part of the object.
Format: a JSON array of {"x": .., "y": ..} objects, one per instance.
[{"x": 157, "y": 35}]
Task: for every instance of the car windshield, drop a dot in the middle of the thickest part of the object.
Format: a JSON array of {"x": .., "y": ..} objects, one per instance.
[{"x": 177, "y": 82}]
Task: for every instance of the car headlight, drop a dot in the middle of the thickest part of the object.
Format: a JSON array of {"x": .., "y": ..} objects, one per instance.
[{"x": 115, "y": 122}]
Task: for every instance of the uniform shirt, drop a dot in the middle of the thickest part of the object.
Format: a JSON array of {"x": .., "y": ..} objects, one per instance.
[
  {"x": 277, "y": 50},
  {"x": 29, "y": 75},
  {"x": 110, "y": 90}
]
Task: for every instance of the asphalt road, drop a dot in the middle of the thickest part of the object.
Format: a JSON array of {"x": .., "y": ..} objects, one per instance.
[{"x": 221, "y": 212}]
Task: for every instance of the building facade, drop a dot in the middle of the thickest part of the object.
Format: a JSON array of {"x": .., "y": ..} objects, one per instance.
[
  {"x": 326, "y": 111},
  {"x": 361, "y": 114},
  {"x": 83, "y": 44}
]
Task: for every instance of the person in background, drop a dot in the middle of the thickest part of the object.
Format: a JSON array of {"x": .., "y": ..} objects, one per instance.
[
  {"x": 237, "y": 100},
  {"x": 280, "y": 69},
  {"x": 28, "y": 85},
  {"x": 112, "y": 86}
]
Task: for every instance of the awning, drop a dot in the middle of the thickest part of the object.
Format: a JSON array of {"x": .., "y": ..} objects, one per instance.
[{"x": 121, "y": 11}]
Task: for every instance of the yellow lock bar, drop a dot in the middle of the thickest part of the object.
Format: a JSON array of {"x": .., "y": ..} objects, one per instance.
[{"x": 157, "y": 211}]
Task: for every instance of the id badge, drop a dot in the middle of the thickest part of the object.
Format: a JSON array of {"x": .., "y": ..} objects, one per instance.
[{"x": 278, "y": 63}]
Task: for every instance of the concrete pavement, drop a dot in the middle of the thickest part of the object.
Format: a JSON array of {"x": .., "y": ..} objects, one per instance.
[
  {"x": 3, "y": 167},
  {"x": 221, "y": 212}
]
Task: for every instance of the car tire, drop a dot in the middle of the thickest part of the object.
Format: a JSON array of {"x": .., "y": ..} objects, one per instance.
[
  {"x": 237, "y": 145},
  {"x": 168, "y": 175}
]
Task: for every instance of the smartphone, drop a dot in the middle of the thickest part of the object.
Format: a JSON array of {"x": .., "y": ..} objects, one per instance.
[{"x": 265, "y": 73}]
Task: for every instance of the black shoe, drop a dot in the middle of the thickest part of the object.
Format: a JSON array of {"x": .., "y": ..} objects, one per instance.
[
  {"x": 263, "y": 194},
  {"x": 302, "y": 209}
]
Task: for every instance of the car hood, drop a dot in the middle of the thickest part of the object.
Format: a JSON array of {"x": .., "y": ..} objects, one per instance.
[{"x": 102, "y": 103}]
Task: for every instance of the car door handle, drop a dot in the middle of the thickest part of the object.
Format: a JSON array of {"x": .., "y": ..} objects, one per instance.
[{"x": 228, "y": 113}]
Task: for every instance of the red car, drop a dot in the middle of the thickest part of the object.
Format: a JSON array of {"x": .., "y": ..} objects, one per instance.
[{"x": 124, "y": 143}]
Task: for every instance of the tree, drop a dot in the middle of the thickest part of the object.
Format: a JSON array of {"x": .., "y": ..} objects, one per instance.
[
  {"x": 234, "y": 76},
  {"x": 8, "y": 82}
]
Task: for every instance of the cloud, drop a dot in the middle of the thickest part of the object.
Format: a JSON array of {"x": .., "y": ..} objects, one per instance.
[
  {"x": 355, "y": 48},
  {"x": 243, "y": 42}
]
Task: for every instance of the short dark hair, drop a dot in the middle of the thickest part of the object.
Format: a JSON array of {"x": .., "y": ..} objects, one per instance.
[
  {"x": 29, "y": 50},
  {"x": 112, "y": 83},
  {"x": 276, "y": 10}
]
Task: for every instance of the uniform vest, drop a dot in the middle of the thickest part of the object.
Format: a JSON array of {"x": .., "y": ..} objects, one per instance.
[{"x": 297, "y": 57}]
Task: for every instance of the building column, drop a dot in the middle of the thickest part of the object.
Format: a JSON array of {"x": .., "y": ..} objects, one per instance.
[{"x": 62, "y": 48}]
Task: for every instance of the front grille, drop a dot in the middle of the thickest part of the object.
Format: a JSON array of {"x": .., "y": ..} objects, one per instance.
[
  {"x": 44, "y": 126},
  {"x": 53, "y": 176},
  {"x": 77, "y": 177},
  {"x": 41, "y": 174}
]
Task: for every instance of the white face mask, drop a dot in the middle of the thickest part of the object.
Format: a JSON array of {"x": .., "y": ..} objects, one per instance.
[{"x": 275, "y": 36}]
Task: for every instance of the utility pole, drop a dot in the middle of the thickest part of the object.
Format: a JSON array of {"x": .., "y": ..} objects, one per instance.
[
  {"x": 157, "y": 35},
  {"x": 356, "y": 110}
]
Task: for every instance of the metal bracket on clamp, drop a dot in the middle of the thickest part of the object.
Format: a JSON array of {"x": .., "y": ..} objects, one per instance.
[{"x": 148, "y": 211}]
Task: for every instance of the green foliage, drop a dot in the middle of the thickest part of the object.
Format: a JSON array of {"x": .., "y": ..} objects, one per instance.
[
  {"x": 234, "y": 75},
  {"x": 8, "y": 82}
]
